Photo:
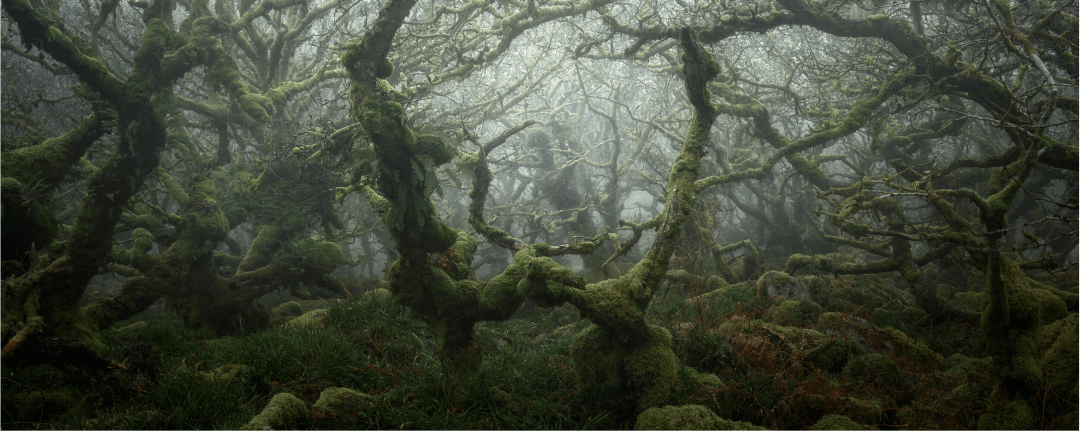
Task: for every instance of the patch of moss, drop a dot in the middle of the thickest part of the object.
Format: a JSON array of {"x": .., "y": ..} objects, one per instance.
[
  {"x": 341, "y": 400},
  {"x": 877, "y": 369},
  {"x": 836, "y": 422},
  {"x": 687, "y": 417},
  {"x": 288, "y": 309},
  {"x": 284, "y": 411},
  {"x": 794, "y": 312},
  {"x": 1059, "y": 347},
  {"x": 313, "y": 317},
  {"x": 871, "y": 411},
  {"x": 612, "y": 376},
  {"x": 1004, "y": 414}
]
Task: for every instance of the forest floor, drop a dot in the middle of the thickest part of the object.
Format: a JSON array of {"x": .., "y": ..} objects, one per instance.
[{"x": 856, "y": 347}]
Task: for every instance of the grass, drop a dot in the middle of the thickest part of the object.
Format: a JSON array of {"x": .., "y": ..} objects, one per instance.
[
  {"x": 372, "y": 347},
  {"x": 375, "y": 347}
]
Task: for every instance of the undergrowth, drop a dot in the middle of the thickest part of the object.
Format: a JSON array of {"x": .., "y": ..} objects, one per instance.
[{"x": 779, "y": 377}]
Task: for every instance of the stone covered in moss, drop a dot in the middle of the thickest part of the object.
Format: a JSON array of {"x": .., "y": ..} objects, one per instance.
[
  {"x": 834, "y": 354},
  {"x": 611, "y": 376},
  {"x": 836, "y": 422},
  {"x": 877, "y": 369},
  {"x": 1004, "y": 414},
  {"x": 342, "y": 400},
  {"x": 377, "y": 295},
  {"x": 740, "y": 292},
  {"x": 871, "y": 411},
  {"x": 774, "y": 283},
  {"x": 1059, "y": 347},
  {"x": 288, "y": 309},
  {"x": 313, "y": 317},
  {"x": 794, "y": 312},
  {"x": 229, "y": 372},
  {"x": 284, "y": 411},
  {"x": 687, "y": 417},
  {"x": 853, "y": 294},
  {"x": 322, "y": 258}
]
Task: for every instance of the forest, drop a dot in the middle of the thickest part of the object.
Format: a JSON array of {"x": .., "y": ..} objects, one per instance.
[{"x": 539, "y": 214}]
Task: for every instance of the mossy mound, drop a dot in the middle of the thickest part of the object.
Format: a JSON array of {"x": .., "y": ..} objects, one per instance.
[
  {"x": 288, "y": 309},
  {"x": 887, "y": 303},
  {"x": 775, "y": 283},
  {"x": 284, "y": 411},
  {"x": 885, "y": 340},
  {"x": 1059, "y": 347},
  {"x": 314, "y": 317},
  {"x": 105, "y": 289},
  {"x": 794, "y": 312},
  {"x": 42, "y": 404},
  {"x": 877, "y": 370},
  {"x": 834, "y": 354},
  {"x": 687, "y": 417},
  {"x": 229, "y": 372},
  {"x": 338, "y": 401},
  {"x": 836, "y": 422},
  {"x": 611, "y": 376}
]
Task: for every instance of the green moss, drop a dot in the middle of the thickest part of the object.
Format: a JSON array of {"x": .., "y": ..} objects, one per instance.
[
  {"x": 313, "y": 317},
  {"x": 1059, "y": 347},
  {"x": 1051, "y": 307},
  {"x": 870, "y": 411},
  {"x": 1004, "y": 414},
  {"x": 687, "y": 417},
  {"x": 611, "y": 376},
  {"x": 876, "y": 369},
  {"x": 284, "y": 411},
  {"x": 322, "y": 258},
  {"x": 288, "y": 309},
  {"x": 834, "y": 354},
  {"x": 794, "y": 312},
  {"x": 836, "y": 422},
  {"x": 342, "y": 400},
  {"x": 229, "y": 372}
]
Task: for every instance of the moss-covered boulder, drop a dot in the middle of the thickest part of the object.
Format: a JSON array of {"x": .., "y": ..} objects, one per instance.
[
  {"x": 870, "y": 411},
  {"x": 229, "y": 372},
  {"x": 837, "y": 422},
  {"x": 1059, "y": 347},
  {"x": 284, "y": 411},
  {"x": 834, "y": 354},
  {"x": 775, "y": 283},
  {"x": 341, "y": 401},
  {"x": 794, "y": 312},
  {"x": 41, "y": 404},
  {"x": 1003, "y": 413},
  {"x": 687, "y": 417},
  {"x": 612, "y": 376},
  {"x": 887, "y": 302},
  {"x": 313, "y": 317},
  {"x": 377, "y": 295},
  {"x": 885, "y": 340},
  {"x": 877, "y": 370},
  {"x": 737, "y": 293},
  {"x": 288, "y": 309}
]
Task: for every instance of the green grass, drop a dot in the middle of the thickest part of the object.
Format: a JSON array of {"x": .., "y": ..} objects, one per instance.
[{"x": 375, "y": 347}]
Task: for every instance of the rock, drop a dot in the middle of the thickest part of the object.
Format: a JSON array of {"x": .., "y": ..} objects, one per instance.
[
  {"x": 288, "y": 309},
  {"x": 687, "y": 417},
  {"x": 311, "y": 318},
  {"x": 133, "y": 326},
  {"x": 284, "y": 411},
  {"x": 794, "y": 312},
  {"x": 342, "y": 400},
  {"x": 229, "y": 372},
  {"x": 836, "y": 422},
  {"x": 377, "y": 294},
  {"x": 774, "y": 283}
]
